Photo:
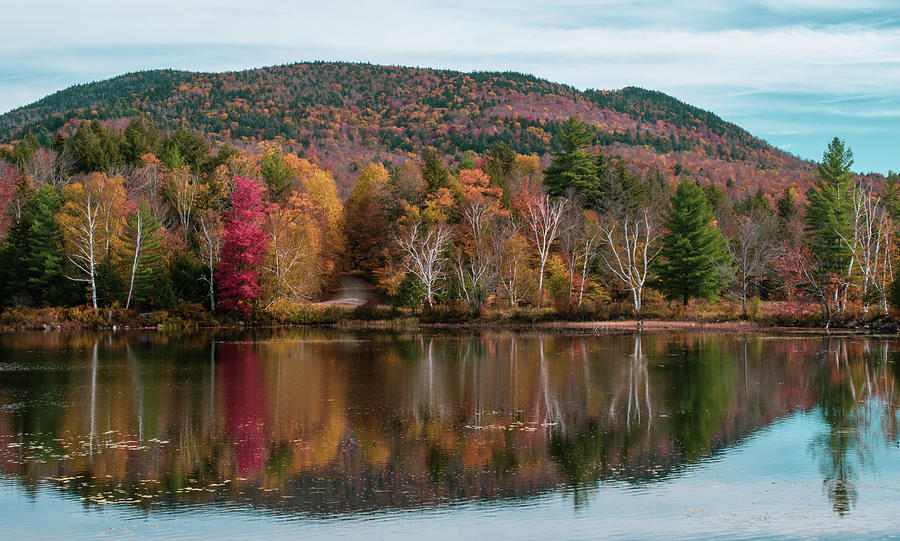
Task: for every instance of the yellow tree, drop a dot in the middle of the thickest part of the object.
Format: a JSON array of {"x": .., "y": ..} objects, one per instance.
[
  {"x": 320, "y": 186},
  {"x": 183, "y": 190},
  {"x": 293, "y": 265},
  {"x": 91, "y": 219},
  {"x": 366, "y": 227}
]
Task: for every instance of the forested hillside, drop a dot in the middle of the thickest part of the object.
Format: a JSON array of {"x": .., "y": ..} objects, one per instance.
[
  {"x": 248, "y": 195},
  {"x": 342, "y": 116}
]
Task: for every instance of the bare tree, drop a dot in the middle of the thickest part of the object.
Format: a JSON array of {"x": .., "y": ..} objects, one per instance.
[
  {"x": 870, "y": 243},
  {"x": 140, "y": 237},
  {"x": 751, "y": 245},
  {"x": 570, "y": 237},
  {"x": 543, "y": 216},
  {"x": 210, "y": 241},
  {"x": 588, "y": 252},
  {"x": 513, "y": 270},
  {"x": 424, "y": 247},
  {"x": 631, "y": 243},
  {"x": 183, "y": 189},
  {"x": 476, "y": 265}
]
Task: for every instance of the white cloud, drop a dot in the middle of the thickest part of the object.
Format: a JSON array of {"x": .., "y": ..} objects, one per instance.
[{"x": 715, "y": 55}]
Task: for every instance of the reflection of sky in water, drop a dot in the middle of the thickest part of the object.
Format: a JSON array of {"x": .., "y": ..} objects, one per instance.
[{"x": 769, "y": 485}]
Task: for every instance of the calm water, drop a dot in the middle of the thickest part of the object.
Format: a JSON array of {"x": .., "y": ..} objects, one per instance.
[{"x": 298, "y": 433}]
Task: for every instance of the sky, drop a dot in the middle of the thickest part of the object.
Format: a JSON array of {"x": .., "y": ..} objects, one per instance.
[{"x": 796, "y": 73}]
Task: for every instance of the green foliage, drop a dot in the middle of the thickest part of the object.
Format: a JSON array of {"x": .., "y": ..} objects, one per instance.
[
  {"x": 185, "y": 147},
  {"x": 140, "y": 137},
  {"x": 21, "y": 151},
  {"x": 410, "y": 292},
  {"x": 13, "y": 271},
  {"x": 467, "y": 161},
  {"x": 185, "y": 273},
  {"x": 276, "y": 174},
  {"x": 111, "y": 287},
  {"x": 44, "y": 259},
  {"x": 142, "y": 256},
  {"x": 434, "y": 172},
  {"x": 95, "y": 148},
  {"x": 829, "y": 210},
  {"x": 693, "y": 250},
  {"x": 572, "y": 168},
  {"x": 499, "y": 165}
]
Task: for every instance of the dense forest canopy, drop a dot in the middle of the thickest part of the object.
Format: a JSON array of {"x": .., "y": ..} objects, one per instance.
[
  {"x": 145, "y": 196},
  {"x": 342, "y": 116}
]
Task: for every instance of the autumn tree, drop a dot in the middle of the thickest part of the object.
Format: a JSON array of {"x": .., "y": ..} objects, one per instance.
[
  {"x": 292, "y": 266},
  {"x": 243, "y": 246},
  {"x": 90, "y": 219},
  {"x": 543, "y": 216},
  {"x": 424, "y": 250},
  {"x": 365, "y": 225},
  {"x": 514, "y": 272},
  {"x": 183, "y": 189},
  {"x": 632, "y": 244},
  {"x": 476, "y": 256},
  {"x": 751, "y": 243}
]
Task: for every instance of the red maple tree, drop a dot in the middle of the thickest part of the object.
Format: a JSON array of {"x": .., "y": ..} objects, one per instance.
[{"x": 242, "y": 248}]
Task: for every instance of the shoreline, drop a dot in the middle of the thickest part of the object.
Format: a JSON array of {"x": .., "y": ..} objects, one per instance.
[
  {"x": 622, "y": 327},
  {"x": 650, "y": 326}
]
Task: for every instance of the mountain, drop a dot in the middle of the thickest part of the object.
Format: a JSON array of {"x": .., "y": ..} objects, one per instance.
[{"x": 344, "y": 115}]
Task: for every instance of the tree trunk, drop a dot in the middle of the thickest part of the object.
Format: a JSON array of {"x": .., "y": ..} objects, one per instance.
[
  {"x": 541, "y": 285},
  {"x": 744, "y": 299}
]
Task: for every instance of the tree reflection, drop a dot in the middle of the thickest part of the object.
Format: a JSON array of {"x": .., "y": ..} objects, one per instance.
[
  {"x": 855, "y": 396},
  {"x": 329, "y": 421}
]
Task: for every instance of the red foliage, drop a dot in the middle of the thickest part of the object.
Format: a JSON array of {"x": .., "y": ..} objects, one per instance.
[
  {"x": 242, "y": 247},
  {"x": 10, "y": 179}
]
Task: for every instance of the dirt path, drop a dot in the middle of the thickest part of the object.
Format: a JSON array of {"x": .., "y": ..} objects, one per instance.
[{"x": 354, "y": 292}]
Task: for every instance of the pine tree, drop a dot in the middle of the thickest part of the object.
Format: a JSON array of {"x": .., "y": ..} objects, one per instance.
[
  {"x": 694, "y": 251},
  {"x": 44, "y": 260},
  {"x": 276, "y": 174},
  {"x": 434, "y": 172},
  {"x": 13, "y": 273},
  {"x": 828, "y": 211},
  {"x": 572, "y": 167}
]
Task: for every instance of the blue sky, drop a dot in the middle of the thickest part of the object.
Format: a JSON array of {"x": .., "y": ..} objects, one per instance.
[{"x": 794, "y": 72}]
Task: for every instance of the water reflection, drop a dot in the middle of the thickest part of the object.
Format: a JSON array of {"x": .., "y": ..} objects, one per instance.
[{"x": 326, "y": 422}]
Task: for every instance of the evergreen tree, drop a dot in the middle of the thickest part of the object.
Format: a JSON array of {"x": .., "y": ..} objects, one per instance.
[
  {"x": 276, "y": 174},
  {"x": 499, "y": 165},
  {"x": 109, "y": 283},
  {"x": 434, "y": 172},
  {"x": 192, "y": 147},
  {"x": 95, "y": 148},
  {"x": 13, "y": 270},
  {"x": 694, "y": 251},
  {"x": 410, "y": 292},
  {"x": 572, "y": 167},
  {"x": 44, "y": 259},
  {"x": 140, "y": 137},
  {"x": 829, "y": 210}
]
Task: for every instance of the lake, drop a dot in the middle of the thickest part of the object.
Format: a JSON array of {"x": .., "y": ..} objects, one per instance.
[{"x": 286, "y": 433}]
